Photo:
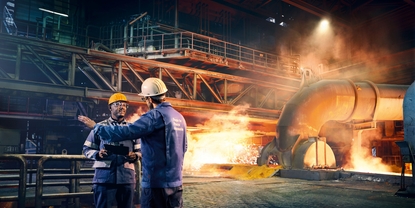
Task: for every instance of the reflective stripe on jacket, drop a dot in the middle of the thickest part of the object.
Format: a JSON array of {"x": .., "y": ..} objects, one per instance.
[
  {"x": 114, "y": 169},
  {"x": 163, "y": 144}
]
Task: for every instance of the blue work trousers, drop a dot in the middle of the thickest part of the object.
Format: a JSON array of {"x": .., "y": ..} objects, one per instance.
[
  {"x": 162, "y": 197},
  {"x": 106, "y": 195}
]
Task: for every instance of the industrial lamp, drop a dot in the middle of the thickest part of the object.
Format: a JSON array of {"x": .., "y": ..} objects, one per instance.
[{"x": 52, "y": 12}]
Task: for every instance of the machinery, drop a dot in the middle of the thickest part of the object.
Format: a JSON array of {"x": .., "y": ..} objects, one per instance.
[
  {"x": 408, "y": 145},
  {"x": 299, "y": 143}
]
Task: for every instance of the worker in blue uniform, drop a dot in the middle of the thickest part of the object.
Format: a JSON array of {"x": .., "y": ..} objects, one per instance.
[
  {"x": 163, "y": 145},
  {"x": 114, "y": 179}
]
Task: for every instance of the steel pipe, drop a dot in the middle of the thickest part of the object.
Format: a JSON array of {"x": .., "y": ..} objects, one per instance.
[{"x": 339, "y": 100}]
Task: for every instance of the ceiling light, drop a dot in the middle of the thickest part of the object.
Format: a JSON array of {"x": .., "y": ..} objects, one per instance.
[
  {"x": 270, "y": 19},
  {"x": 57, "y": 13},
  {"x": 324, "y": 26}
]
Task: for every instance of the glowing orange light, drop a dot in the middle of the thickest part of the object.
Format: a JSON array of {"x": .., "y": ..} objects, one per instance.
[
  {"x": 361, "y": 160},
  {"x": 135, "y": 116},
  {"x": 224, "y": 139}
]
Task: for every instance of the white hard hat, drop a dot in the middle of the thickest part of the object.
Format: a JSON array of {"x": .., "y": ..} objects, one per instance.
[{"x": 153, "y": 87}]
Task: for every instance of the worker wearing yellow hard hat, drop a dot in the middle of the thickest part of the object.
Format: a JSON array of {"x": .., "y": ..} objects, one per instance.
[{"x": 114, "y": 161}]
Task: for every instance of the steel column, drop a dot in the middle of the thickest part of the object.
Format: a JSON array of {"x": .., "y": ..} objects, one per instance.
[
  {"x": 119, "y": 76},
  {"x": 18, "y": 62},
  {"x": 225, "y": 96},
  {"x": 71, "y": 70},
  {"x": 194, "y": 86}
]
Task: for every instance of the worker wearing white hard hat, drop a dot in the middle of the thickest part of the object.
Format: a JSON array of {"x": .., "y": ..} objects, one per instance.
[{"x": 163, "y": 144}]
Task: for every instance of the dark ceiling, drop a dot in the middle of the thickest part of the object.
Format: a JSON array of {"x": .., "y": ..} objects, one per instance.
[
  {"x": 361, "y": 31},
  {"x": 244, "y": 20},
  {"x": 371, "y": 40}
]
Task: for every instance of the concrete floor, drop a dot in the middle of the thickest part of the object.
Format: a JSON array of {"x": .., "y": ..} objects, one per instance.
[
  {"x": 289, "y": 192},
  {"x": 287, "y": 188},
  {"x": 294, "y": 188}
]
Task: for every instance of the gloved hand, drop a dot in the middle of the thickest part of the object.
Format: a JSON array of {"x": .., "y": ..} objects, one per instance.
[
  {"x": 132, "y": 157},
  {"x": 102, "y": 154}
]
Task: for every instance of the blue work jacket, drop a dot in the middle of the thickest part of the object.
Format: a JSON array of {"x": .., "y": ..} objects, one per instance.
[
  {"x": 163, "y": 144},
  {"x": 115, "y": 169}
]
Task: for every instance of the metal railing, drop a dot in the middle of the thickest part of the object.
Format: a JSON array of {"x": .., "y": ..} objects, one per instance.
[
  {"x": 117, "y": 40},
  {"x": 47, "y": 108},
  {"x": 164, "y": 43},
  {"x": 8, "y": 21},
  {"x": 69, "y": 178},
  {"x": 21, "y": 196}
]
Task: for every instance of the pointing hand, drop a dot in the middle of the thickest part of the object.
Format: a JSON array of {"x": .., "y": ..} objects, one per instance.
[{"x": 87, "y": 121}]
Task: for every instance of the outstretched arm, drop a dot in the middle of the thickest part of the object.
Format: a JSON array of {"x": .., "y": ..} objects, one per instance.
[
  {"x": 138, "y": 129},
  {"x": 87, "y": 121}
]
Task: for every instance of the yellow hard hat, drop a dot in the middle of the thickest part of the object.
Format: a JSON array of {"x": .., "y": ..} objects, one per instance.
[
  {"x": 117, "y": 97},
  {"x": 153, "y": 87}
]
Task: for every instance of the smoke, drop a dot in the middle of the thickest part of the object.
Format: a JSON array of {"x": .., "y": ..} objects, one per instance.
[
  {"x": 363, "y": 153},
  {"x": 339, "y": 47},
  {"x": 324, "y": 46},
  {"x": 136, "y": 115}
]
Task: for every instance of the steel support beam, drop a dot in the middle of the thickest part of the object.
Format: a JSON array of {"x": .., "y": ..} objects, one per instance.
[
  {"x": 210, "y": 89},
  {"x": 186, "y": 106},
  {"x": 90, "y": 78},
  {"x": 130, "y": 82},
  {"x": 134, "y": 71},
  {"x": 41, "y": 69},
  {"x": 185, "y": 69},
  {"x": 242, "y": 94},
  {"x": 178, "y": 84},
  {"x": 97, "y": 72},
  {"x": 4, "y": 74},
  {"x": 62, "y": 81},
  {"x": 269, "y": 93}
]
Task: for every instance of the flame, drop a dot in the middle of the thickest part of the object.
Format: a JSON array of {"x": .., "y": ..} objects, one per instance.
[
  {"x": 362, "y": 160},
  {"x": 223, "y": 139}
]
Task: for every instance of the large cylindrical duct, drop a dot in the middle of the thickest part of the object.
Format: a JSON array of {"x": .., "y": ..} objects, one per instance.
[
  {"x": 409, "y": 127},
  {"x": 330, "y": 100}
]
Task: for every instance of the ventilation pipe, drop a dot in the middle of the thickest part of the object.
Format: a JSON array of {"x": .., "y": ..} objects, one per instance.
[{"x": 297, "y": 134}]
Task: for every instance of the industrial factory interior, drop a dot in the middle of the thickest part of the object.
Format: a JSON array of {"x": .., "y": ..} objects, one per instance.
[{"x": 289, "y": 84}]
